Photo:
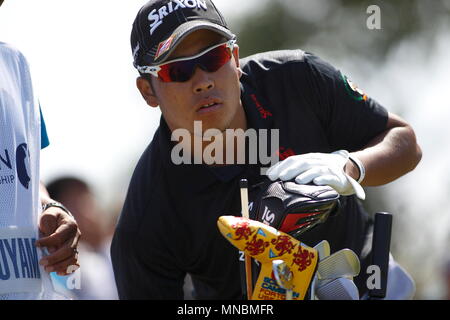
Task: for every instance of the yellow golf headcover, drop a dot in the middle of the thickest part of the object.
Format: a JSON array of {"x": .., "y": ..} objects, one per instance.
[{"x": 265, "y": 244}]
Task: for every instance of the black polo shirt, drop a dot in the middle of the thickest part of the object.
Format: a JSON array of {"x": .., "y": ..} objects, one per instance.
[{"x": 168, "y": 225}]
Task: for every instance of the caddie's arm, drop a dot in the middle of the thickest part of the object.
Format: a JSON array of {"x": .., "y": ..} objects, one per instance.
[
  {"x": 60, "y": 235},
  {"x": 389, "y": 155}
]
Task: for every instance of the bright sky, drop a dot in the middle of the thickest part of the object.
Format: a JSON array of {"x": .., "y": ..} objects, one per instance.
[
  {"x": 99, "y": 125},
  {"x": 81, "y": 60}
]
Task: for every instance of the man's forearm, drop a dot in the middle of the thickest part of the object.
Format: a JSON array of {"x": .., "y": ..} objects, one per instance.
[{"x": 388, "y": 156}]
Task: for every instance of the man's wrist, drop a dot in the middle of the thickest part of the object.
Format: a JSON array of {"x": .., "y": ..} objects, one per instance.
[
  {"x": 358, "y": 170},
  {"x": 351, "y": 169}
]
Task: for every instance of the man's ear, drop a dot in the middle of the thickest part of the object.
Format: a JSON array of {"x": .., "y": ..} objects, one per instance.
[
  {"x": 236, "y": 59},
  {"x": 147, "y": 92}
]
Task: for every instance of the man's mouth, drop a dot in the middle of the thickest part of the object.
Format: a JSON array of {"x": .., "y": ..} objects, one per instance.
[
  {"x": 206, "y": 106},
  {"x": 209, "y": 105}
]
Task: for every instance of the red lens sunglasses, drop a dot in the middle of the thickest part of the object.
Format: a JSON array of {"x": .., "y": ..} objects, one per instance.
[{"x": 182, "y": 69}]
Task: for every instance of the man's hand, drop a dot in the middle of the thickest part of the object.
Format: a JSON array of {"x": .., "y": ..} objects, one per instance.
[
  {"x": 60, "y": 235},
  {"x": 321, "y": 169}
]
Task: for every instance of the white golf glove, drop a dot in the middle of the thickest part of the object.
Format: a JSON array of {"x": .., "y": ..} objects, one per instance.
[{"x": 321, "y": 169}]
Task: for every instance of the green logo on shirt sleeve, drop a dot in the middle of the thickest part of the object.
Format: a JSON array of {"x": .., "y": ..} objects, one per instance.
[{"x": 353, "y": 90}]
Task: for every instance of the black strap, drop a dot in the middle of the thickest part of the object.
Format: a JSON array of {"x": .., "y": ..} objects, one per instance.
[{"x": 57, "y": 205}]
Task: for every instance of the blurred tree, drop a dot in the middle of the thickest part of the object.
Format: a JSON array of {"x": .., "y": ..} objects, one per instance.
[
  {"x": 337, "y": 31},
  {"x": 339, "y": 26}
]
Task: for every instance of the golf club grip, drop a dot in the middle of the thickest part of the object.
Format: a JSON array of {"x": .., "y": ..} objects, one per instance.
[{"x": 381, "y": 243}]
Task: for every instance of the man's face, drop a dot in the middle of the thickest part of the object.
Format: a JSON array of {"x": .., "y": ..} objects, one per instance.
[{"x": 181, "y": 102}]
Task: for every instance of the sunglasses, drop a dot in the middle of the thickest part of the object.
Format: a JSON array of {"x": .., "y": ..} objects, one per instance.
[{"x": 182, "y": 69}]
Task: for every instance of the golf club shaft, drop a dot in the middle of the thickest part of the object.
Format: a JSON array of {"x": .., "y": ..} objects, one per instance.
[{"x": 248, "y": 259}]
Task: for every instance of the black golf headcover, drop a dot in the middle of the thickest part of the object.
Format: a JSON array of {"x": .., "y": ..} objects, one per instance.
[{"x": 292, "y": 208}]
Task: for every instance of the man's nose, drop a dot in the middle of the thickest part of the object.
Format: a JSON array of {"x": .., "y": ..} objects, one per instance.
[{"x": 202, "y": 81}]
